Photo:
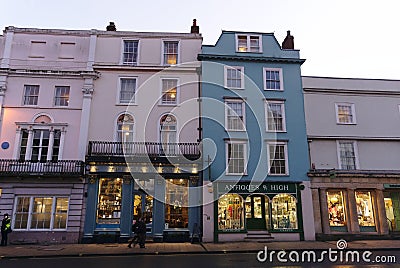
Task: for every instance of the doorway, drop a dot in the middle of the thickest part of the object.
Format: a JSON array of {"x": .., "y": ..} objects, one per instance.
[
  {"x": 143, "y": 208},
  {"x": 392, "y": 208},
  {"x": 257, "y": 216}
]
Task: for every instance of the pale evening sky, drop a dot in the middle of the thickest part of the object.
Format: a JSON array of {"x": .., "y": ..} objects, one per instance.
[{"x": 340, "y": 38}]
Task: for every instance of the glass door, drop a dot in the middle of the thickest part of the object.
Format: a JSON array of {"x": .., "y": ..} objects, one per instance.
[
  {"x": 143, "y": 208},
  {"x": 256, "y": 212}
]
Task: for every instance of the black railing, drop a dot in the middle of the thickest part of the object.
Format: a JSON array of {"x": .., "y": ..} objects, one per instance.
[
  {"x": 107, "y": 148},
  {"x": 60, "y": 167}
]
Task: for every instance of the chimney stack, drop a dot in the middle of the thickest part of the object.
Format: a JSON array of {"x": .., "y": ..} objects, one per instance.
[
  {"x": 288, "y": 43},
  {"x": 111, "y": 27},
  {"x": 194, "y": 29}
]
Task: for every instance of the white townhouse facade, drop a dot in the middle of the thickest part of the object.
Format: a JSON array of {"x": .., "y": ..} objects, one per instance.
[
  {"x": 353, "y": 128},
  {"x": 145, "y": 112},
  {"x": 46, "y": 81}
]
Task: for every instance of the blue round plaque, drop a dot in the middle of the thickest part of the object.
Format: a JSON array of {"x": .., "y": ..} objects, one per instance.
[{"x": 5, "y": 145}]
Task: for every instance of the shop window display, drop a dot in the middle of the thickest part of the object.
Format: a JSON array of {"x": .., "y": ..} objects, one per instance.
[
  {"x": 177, "y": 200},
  {"x": 364, "y": 208},
  {"x": 230, "y": 212},
  {"x": 109, "y": 204},
  {"x": 284, "y": 212},
  {"x": 336, "y": 208}
]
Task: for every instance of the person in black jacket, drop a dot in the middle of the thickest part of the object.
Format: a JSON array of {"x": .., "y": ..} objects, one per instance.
[
  {"x": 139, "y": 230},
  {"x": 5, "y": 229}
]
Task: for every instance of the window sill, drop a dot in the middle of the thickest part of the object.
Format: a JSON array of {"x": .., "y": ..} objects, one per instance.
[
  {"x": 126, "y": 104},
  {"x": 170, "y": 105},
  {"x": 276, "y": 131},
  {"x": 236, "y": 174},
  {"x": 269, "y": 89},
  {"x": 278, "y": 175},
  {"x": 337, "y": 123}
]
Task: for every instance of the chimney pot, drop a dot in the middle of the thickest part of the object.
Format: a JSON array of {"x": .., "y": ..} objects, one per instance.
[
  {"x": 288, "y": 43},
  {"x": 111, "y": 27},
  {"x": 195, "y": 29}
]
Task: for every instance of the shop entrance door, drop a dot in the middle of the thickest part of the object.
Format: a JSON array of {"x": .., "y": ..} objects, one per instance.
[
  {"x": 392, "y": 207},
  {"x": 143, "y": 208},
  {"x": 255, "y": 212}
]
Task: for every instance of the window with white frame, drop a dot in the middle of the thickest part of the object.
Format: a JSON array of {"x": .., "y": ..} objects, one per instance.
[
  {"x": 273, "y": 79},
  {"x": 234, "y": 77},
  {"x": 61, "y": 97},
  {"x": 236, "y": 158},
  {"x": 130, "y": 53},
  {"x": 248, "y": 43},
  {"x": 31, "y": 94},
  {"x": 125, "y": 124},
  {"x": 171, "y": 52},
  {"x": 345, "y": 113},
  {"x": 277, "y": 158},
  {"x": 42, "y": 146},
  {"x": 127, "y": 90},
  {"x": 235, "y": 115},
  {"x": 275, "y": 114},
  {"x": 169, "y": 91},
  {"x": 347, "y": 155},
  {"x": 41, "y": 213}
]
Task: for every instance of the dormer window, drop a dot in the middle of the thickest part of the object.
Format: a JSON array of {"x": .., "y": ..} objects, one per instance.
[{"x": 248, "y": 43}]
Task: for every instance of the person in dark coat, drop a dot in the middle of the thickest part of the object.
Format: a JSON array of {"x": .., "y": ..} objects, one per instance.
[
  {"x": 139, "y": 229},
  {"x": 5, "y": 229}
]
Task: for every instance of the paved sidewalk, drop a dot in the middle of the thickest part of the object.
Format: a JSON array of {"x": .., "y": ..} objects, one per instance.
[{"x": 31, "y": 251}]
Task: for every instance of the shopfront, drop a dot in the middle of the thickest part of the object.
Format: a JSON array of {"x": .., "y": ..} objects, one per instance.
[
  {"x": 273, "y": 208},
  {"x": 355, "y": 206},
  {"x": 117, "y": 199}
]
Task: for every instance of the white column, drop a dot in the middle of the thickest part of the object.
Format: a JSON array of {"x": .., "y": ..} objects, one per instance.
[
  {"x": 61, "y": 148},
  {"x": 17, "y": 143},
  {"x": 28, "y": 153},
  {"x": 84, "y": 126},
  {"x": 50, "y": 147},
  {"x": 5, "y": 62},
  {"x": 92, "y": 49}
]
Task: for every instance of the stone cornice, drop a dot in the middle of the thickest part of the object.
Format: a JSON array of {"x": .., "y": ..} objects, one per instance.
[
  {"x": 50, "y": 73},
  {"x": 203, "y": 57},
  {"x": 335, "y": 173}
]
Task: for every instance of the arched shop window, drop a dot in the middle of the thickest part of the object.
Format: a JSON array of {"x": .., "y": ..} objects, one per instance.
[
  {"x": 284, "y": 212},
  {"x": 230, "y": 212}
]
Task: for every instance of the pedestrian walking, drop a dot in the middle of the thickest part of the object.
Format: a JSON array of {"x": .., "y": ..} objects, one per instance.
[
  {"x": 139, "y": 229},
  {"x": 134, "y": 240},
  {"x": 5, "y": 229}
]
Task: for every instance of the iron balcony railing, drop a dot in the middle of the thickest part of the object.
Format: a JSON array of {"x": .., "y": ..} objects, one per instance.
[
  {"x": 47, "y": 168},
  {"x": 154, "y": 149}
]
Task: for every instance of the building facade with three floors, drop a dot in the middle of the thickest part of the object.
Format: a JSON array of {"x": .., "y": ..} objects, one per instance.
[
  {"x": 353, "y": 128},
  {"x": 254, "y": 140},
  {"x": 44, "y": 79}
]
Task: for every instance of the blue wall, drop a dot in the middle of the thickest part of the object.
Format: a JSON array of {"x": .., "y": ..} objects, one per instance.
[{"x": 213, "y": 60}]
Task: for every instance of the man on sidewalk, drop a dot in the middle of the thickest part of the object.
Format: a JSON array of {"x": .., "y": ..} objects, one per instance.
[
  {"x": 5, "y": 229},
  {"x": 139, "y": 228}
]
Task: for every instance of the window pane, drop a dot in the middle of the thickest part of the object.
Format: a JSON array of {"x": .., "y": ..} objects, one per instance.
[
  {"x": 61, "y": 213},
  {"x": 130, "y": 52},
  {"x": 277, "y": 159},
  {"x": 365, "y": 210},
  {"x": 284, "y": 215},
  {"x": 22, "y": 213},
  {"x": 170, "y": 53},
  {"x": 127, "y": 91},
  {"x": 272, "y": 78},
  {"x": 275, "y": 117},
  {"x": 236, "y": 158},
  {"x": 336, "y": 208},
  {"x": 242, "y": 43},
  {"x": 41, "y": 212},
  {"x": 169, "y": 91},
  {"x": 230, "y": 212},
  {"x": 234, "y": 78},
  {"x": 347, "y": 155},
  {"x": 176, "y": 203},
  {"x": 31, "y": 95},
  {"x": 62, "y": 96},
  {"x": 345, "y": 114},
  {"x": 109, "y": 202},
  {"x": 235, "y": 116}
]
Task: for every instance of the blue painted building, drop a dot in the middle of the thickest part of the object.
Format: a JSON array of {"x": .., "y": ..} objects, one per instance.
[{"x": 254, "y": 140}]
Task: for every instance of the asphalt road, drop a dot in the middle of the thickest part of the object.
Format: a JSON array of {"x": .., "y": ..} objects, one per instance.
[{"x": 231, "y": 260}]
